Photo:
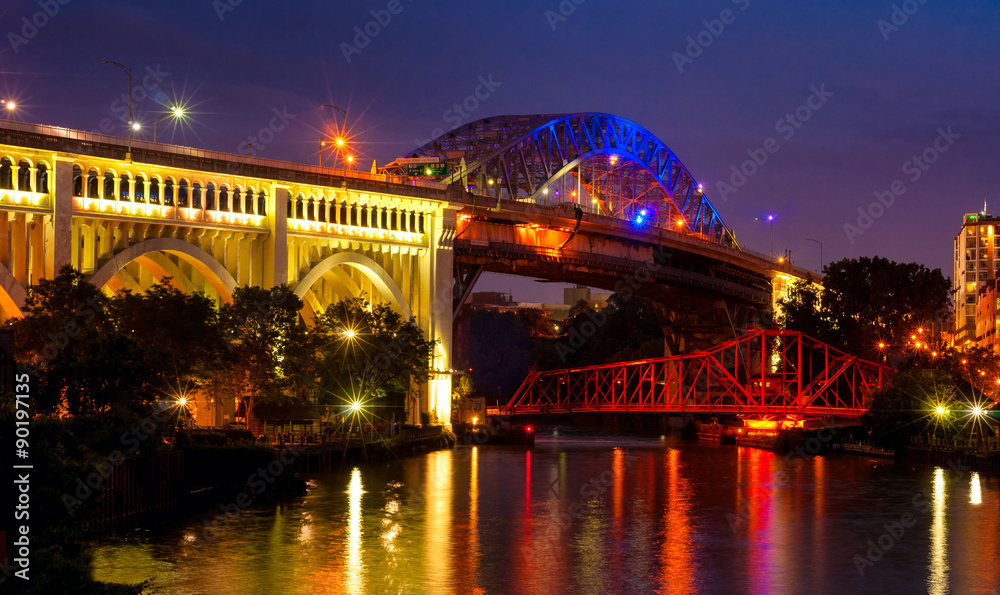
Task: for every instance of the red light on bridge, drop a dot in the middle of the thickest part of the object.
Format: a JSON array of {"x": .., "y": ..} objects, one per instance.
[{"x": 529, "y": 429}]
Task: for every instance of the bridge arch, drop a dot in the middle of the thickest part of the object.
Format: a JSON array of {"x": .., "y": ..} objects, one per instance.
[
  {"x": 378, "y": 276},
  {"x": 630, "y": 174},
  {"x": 145, "y": 254}
]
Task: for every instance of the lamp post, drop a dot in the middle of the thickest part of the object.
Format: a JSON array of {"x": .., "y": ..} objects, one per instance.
[
  {"x": 177, "y": 112},
  {"x": 343, "y": 112},
  {"x": 341, "y": 138},
  {"x": 770, "y": 223},
  {"x": 127, "y": 71},
  {"x": 10, "y": 105},
  {"x": 820, "y": 253}
]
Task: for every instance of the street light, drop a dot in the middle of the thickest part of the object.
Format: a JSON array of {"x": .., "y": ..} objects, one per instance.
[
  {"x": 343, "y": 131},
  {"x": 177, "y": 112},
  {"x": 770, "y": 223},
  {"x": 127, "y": 71},
  {"x": 10, "y": 105},
  {"x": 820, "y": 253}
]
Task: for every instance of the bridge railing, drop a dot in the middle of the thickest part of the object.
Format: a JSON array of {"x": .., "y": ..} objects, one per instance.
[{"x": 96, "y": 137}]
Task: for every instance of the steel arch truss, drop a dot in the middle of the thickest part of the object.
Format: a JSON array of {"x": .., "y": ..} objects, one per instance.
[
  {"x": 761, "y": 373},
  {"x": 617, "y": 168}
]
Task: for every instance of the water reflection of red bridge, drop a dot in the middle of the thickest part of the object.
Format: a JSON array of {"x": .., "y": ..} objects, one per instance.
[{"x": 762, "y": 373}]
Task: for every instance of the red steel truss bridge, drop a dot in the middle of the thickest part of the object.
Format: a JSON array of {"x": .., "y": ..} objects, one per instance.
[{"x": 762, "y": 373}]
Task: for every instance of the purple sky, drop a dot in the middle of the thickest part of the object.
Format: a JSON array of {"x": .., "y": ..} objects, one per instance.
[{"x": 889, "y": 91}]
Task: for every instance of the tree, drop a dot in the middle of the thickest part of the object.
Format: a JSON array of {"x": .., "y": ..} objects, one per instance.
[
  {"x": 181, "y": 331},
  {"x": 874, "y": 300},
  {"x": 370, "y": 354},
  {"x": 801, "y": 311},
  {"x": 272, "y": 357},
  {"x": 83, "y": 362}
]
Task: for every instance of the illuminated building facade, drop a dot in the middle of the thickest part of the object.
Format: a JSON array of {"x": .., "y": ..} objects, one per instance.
[{"x": 977, "y": 258}]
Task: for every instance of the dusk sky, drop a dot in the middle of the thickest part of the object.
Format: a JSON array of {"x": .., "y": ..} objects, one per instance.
[{"x": 926, "y": 74}]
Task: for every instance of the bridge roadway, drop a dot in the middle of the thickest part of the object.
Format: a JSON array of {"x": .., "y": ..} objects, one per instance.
[{"x": 213, "y": 221}]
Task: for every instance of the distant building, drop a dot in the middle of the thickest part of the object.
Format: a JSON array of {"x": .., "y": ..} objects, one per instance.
[
  {"x": 986, "y": 315},
  {"x": 977, "y": 259}
]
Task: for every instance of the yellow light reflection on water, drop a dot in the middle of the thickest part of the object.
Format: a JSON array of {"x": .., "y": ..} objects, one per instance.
[
  {"x": 438, "y": 545},
  {"x": 355, "y": 564},
  {"x": 474, "y": 506},
  {"x": 975, "y": 493},
  {"x": 937, "y": 577}
]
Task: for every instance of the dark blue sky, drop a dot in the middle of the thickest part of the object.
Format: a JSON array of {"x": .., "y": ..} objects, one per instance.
[{"x": 889, "y": 91}]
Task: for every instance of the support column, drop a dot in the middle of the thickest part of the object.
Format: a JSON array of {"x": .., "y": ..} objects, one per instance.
[
  {"x": 62, "y": 211},
  {"x": 276, "y": 245},
  {"x": 436, "y": 305}
]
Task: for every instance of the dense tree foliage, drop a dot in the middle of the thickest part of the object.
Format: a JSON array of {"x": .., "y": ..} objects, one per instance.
[
  {"x": 868, "y": 305},
  {"x": 181, "y": 331},
  {"x": 84, "y": 363},
  {"x": 271, "y": 354},
  {"x": 370, "y": 354},
  {"x": 801, "y": 311}
]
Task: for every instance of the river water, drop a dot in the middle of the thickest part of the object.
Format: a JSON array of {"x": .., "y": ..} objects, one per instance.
[{"x": 594, "y": 514}]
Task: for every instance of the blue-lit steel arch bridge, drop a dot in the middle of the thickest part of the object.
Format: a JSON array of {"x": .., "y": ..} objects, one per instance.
[{"x": 598, "y": 200}]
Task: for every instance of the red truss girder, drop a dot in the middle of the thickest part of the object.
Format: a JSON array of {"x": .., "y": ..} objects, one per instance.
[{"x": 765, "y": 372}]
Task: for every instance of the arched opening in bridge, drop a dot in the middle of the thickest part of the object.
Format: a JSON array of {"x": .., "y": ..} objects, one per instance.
[
  {"x": 348, "y": 275},
  {"x": 190, "y": 268}
]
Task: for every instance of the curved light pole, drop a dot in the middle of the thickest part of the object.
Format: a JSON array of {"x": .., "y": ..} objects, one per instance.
[
  {"x": 177, "y": 112},
  {"x": 127, "y": 71},
  {"x": 820, "y": 253},
  {"x": 770, "y": 223},
  {"x": 343, "y": 112},
  {"x": 341, "y": 138}
]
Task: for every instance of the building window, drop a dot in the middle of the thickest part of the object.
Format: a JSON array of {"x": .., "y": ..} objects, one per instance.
[
  {"x": 970, "y": 298},
  {"x": 970, "y": 277},
  {"x": 982, "y": 275}
]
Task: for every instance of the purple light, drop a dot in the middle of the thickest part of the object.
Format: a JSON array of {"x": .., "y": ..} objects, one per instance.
[{"x": 770, "y": 217}]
